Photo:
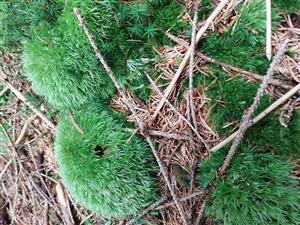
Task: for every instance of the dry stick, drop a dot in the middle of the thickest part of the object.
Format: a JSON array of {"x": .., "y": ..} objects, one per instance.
[
  {"x": 273, "y": 106},
  {"x": 23, "y": 99},
  {"x": 176, "y": 111},
  {"x": 133, "y": 111},
  {"x": 187, "y": 55},
  {"x": 273, "y": 82},
  {"x": 191, "y": 66},
  {"x": 24, "y": 128},
  {"x": 5, "y": 168},
  {"x": 246, "y": 120},
  {"x": 75, "y": 124},
  {"x": 182, "y": 199},
  {"x": 268, "y": 29},
  {"x": 170, "y": 136},
  {"x": 191, "y": 102}
]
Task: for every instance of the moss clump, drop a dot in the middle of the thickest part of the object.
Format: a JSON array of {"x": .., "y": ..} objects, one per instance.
[
  {"x": 288, "y": 6},
  {"x": 258, "y": 189},
  {"x": 20, "y": 18},
  {"x": 244, "y": 46},
  {"x": 61, "y": 64},
  {"x": 100, "y": 170}
]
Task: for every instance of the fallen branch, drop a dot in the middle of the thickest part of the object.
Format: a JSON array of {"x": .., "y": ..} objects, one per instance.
[
  {"x": 268, "y": 29},
  {"x": 181, "y": 67},
  {"x": 246, "y": 120},
  {"x": 260, "y": 116},
  {"x": 191, "y": 66},
  {"x": 23, "y": 99},
  {"x": 133, "y": 111},
  {"x": 75, "y": 124}
]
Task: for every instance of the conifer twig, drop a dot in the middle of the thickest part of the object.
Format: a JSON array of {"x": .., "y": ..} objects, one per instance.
[
  {"x": 246, "y": 120},
  {"x": 133, "y": 111},
  {"x": 176, "y": 111},
  {"x": 181, "y": 67},
  {"x": 260, "y": 116},
  {"x": 191, "y": 66}
]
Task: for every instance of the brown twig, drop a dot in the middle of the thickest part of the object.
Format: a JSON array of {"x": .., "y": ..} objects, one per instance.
[
  {"x": 24, "y": 128},
  {"x": 148, "y": 209},
  {"x": 181, "y": 67},
  {"x": 191, "y": 66},
  {"x": 133, "y": 111},
  {"x": 246, "y": 120},
  {"x": 75, "y": 124}
]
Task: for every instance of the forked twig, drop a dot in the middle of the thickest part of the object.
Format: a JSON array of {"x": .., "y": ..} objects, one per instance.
[
  {"x": 133, "y": 111},
  {"x": 246, "y": 120}
]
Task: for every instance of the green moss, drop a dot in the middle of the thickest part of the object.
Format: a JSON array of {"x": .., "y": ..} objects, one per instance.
[
  {"x": 100, "y": 170},
  {"x": 288, "y": 6},
  {"x": 19, "y": 18},
  {"x": 244, "y": 46},
  {"x": 231, "y": 97},
  {"x": 62, "y": 65},
  {"x": 258, "y": 189}
]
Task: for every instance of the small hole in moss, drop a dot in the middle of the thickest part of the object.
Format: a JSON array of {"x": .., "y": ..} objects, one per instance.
[{"x": 100, "y": 151}]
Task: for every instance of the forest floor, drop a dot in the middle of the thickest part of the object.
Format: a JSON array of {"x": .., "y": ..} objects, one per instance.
[{"x": 31, "y": 192}]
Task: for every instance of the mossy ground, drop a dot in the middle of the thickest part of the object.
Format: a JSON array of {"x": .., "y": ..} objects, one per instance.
[{"x": 101, "y": 171}]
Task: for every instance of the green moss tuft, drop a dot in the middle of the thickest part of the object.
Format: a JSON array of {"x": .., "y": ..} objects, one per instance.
[
  {"x": 62, "y": 65},
  {"x": 244, "y": 46},
  {"x": 288, "y": 6},
  {"x": 258, "y": 189},
  {"x": 100, "y": 170},
  {"x": 20, "y": 18}
]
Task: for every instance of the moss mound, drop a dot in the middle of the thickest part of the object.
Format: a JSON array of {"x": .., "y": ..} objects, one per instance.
[
  {"x": 258, "y": 189},
  {"x": 100, "y": 170},
  {"x": 61, "y": 64},
  {"x": 20, "y": 18}
]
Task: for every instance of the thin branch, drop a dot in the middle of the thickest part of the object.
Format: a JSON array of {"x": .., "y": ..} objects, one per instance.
[
  {"x": 259, "y": 117},
  {"x": 191, "y": 66},
  {"x": 75, "y": 124},
  {"x": 181, "y": 67},
  {"x": 246, "y": 120},
  {"x": 148, "y": 209},
  {"x": 170, "y": 135},
  {"x": 23, "y": 99},
  {"x": 24, "y": 128},
  {"x": 185, "y": 198},
  {"x": 176, "y": 111},
  {"x": 133, "y": 111}
]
